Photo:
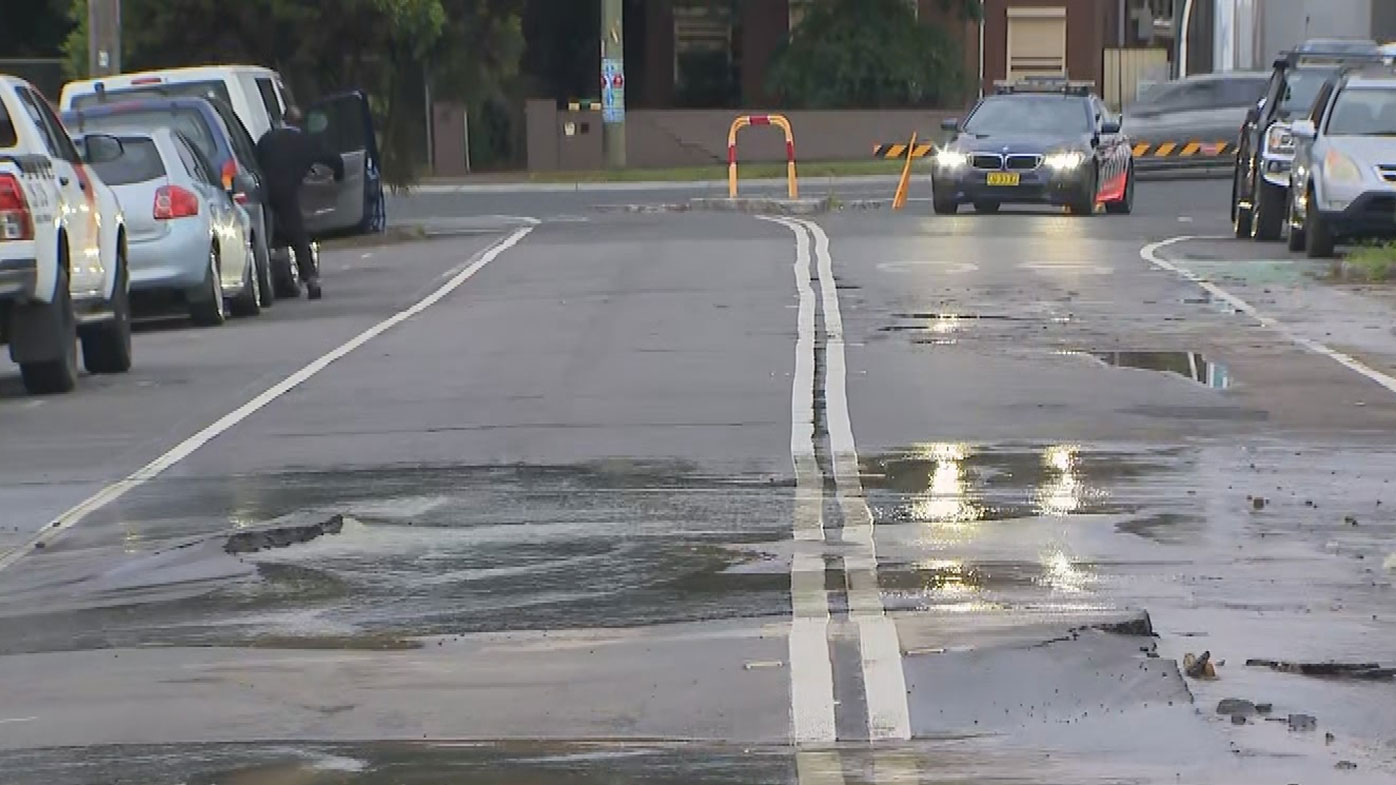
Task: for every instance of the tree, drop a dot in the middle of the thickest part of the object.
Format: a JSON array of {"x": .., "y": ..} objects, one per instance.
[
  {"x": 466, "y": 49},
  {"x": 38, "y": 32},
  {"x": 868, "y": 53}
]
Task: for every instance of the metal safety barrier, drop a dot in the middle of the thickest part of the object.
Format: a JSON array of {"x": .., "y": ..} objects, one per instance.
[{"x": 792, "y": 186}]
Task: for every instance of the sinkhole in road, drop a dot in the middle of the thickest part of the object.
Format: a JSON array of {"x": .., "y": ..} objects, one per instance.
[{"x": 1193, "y": 366}]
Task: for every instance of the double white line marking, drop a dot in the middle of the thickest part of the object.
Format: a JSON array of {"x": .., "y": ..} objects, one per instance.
[{"x": 811, "y": 670}]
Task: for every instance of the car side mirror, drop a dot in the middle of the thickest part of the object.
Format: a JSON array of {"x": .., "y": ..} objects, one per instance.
[
  {"x": 950, "y": 124},
  {"x": 1110, "y": 127},
  {"x": 1304, "y": 129},
  {"x": 101, "y": 148}
]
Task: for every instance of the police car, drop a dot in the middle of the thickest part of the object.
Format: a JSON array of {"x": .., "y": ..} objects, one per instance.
[
  {"x": 63, "y": 274},
  {"x": 1038, "y": 141}
]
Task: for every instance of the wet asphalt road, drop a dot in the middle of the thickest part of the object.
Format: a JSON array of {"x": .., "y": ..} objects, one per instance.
[{"x": 633, "y": 502}]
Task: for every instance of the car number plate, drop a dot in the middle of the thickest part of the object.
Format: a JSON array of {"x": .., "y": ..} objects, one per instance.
[{"x": 1002, "y": 178}]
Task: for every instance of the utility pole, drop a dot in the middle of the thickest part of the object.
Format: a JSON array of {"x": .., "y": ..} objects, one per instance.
[
  {"x": 613, "y": 82},
  {"x": 103, "y": 37}
]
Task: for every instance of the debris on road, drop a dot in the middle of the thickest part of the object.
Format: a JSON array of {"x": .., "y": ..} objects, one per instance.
[
  {"x": 1367, "y": 671},
  {"x": 1199, "y": 667},
  {"x": 1346, "y": 765},
  {"x": 1236, "y": 706},
  {"x": 281, "y": 536},
  {"x": 1258, "y": 502},
  {"x": 1302, "y": 722}
]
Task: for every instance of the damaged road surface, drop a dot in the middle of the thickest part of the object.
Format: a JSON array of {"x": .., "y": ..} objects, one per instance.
[{"x": 718, "y": 498}]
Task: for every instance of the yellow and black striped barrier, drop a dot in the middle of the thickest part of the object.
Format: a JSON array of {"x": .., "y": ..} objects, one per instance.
[
  {"x": 1181, "y": 149},
  {"x": 899, "y": 150}
]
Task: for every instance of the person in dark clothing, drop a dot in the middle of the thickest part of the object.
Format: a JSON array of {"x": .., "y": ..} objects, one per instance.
[{"x": 286, "y": 155}]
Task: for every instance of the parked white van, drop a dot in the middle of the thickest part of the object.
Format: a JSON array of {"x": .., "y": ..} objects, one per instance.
[{"x": 259, "y": 97}]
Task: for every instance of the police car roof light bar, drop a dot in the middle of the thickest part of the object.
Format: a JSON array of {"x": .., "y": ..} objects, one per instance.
[{"x": 1044, "y": 84}]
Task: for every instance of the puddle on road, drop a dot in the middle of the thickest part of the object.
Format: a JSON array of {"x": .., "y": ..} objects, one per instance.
[
  {"x": 953, "y": 484},
  {"x": 435, "y": 551},
  {"x": 1193, "y": 366},
  {"x": 398, "y": 763}
]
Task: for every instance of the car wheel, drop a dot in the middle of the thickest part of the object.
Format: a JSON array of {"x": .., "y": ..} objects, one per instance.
[
  {"x": 1240, "y": 216},
  {"x": 1269, "y": 203},
  {"x": 1295, "y": 241},
  {"x": 264, "y": 282},
  {"x": 1125, "y": 205},
  {"x": 206, "y": 305},
  {"x": 1318, "y": 238},
  {"x": 1084, "y": 203},
  {"x": 986, "y": 207},
  {"x": 285, "y": 278},
  {"x": 249, "y": 301},
  {"x": 106, "y": 347},
  {"x": 59, "y": 374},
  {"x": 944, "y": 205}
]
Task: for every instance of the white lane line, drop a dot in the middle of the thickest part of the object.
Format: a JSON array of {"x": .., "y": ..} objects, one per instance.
[
  {"x": 1150, "y": 254},
  {"x": 884, "y": 681},
  {"x": 811, "y": 668},
  {"x": 17, "y": 719},
  {"x": 187, "y": 447}
]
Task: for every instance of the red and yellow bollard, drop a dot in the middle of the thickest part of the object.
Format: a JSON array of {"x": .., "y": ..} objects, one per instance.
[{"x": 761, "y": 119}]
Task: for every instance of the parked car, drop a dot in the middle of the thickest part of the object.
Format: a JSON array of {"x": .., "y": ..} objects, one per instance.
[
  {"x": 260, "y": 98},
  {"x": 187, "y": 235},
  {"x": 1343, "y": 184},
  {"x": 1265, "y": 149},
  {"x": 63, "y": 267},
  {"x": 220, "y": 136},
  {"x": 1207, "y": 107}
]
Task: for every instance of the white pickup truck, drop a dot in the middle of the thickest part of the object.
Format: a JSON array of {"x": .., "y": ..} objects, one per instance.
[{"x": 63, "y": 269}]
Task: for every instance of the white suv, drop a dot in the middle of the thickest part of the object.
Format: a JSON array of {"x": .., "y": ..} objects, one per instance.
[
  {"x": 1343, "y": 184},
  {"x": 62, "y": 248}
]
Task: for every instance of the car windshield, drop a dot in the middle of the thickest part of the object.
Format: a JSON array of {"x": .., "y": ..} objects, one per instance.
[
  {"x": 1028, "y": 114},
  {"x": 139, "y": 161},
  {"x": 207, "y": 89},
  {"x": 1191, "y": 95},
  {"x": 1364, "y": 111},
  {"x": 8, "y": 138},
  {"x": 1302, "y": 88},
  {"x": 190, "y": 122}
]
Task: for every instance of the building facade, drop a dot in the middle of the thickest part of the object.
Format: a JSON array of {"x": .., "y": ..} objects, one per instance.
[{"x": 701, "y": 54}]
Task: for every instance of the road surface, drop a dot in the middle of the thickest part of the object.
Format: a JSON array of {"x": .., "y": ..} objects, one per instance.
[{"x": 712, "y": 498}]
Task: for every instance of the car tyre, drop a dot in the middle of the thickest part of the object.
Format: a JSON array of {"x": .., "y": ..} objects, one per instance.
[
  {"x": 206, "y": 305},
  {"x": 106, "y": 347},
  {"x": 1269, "y": 206},
  {"x": 987, "y": 207},
  {"x": 1125, "y": 204},
  {"x": 286, "y": 278},
  {"x": 944, "y": 205},
  {"x": 59, "y": 375},
  {"x": 1240, "y": 216},
  {"x": 263, "y": 258},
  {"x": 1318, "y": 237},
  {"x": 1296, "y": 239},
  {"x": 1084, "y": 203},
  {"x": 248, "y": 302}
]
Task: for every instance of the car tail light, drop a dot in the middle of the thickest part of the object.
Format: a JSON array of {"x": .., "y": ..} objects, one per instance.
[
  {"x": 171, "y": 201},
  {"x": 15, "y": 221},
  {"x": 230, "y": 172}
]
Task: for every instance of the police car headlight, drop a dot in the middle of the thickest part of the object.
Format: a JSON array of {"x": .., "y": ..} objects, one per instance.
[
  {"x": 951, "y": 159},
  {"x": 1279, "y": 140},
  {"x": 1064, "y": 162}
]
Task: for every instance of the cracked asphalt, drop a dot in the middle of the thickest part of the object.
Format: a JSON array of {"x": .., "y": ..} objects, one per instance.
[{"x": 616, "y": 497}]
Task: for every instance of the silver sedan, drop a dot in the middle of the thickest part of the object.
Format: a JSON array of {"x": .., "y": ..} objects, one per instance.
[{"x": 186, "y": 235}]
